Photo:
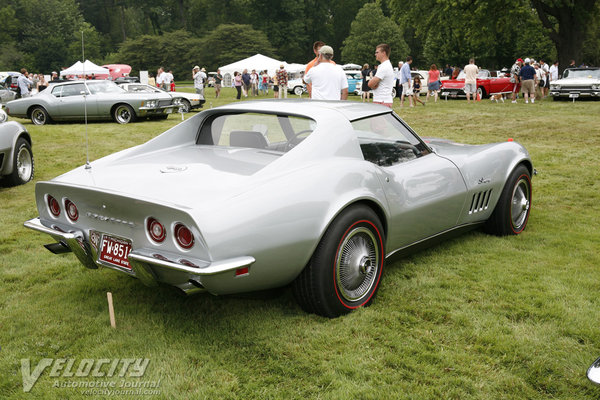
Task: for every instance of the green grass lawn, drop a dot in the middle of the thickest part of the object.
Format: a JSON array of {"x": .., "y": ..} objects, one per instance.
[{"x": 475, "y": 317}]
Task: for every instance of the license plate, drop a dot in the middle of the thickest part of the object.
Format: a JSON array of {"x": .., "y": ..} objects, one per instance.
[
  {"x": 573, "y": 95},
  {"x": 114, "y": 251},
  {"x": 453, "y": 95},
  {"x": 445, "y": 93}
]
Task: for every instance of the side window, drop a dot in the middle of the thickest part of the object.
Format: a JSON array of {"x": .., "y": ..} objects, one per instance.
[
  {"x": 262, "y": 131},
  {"x": 73, "y": 90},
  {"x": 57, "y": 91},
  {"x": 385, "y": 140}
]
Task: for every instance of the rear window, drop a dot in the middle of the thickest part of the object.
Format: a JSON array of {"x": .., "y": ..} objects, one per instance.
[{"x": 279, "y": 133}]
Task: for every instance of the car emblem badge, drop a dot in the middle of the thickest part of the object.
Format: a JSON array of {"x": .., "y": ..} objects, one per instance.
[{"x": 170, "y": 169}]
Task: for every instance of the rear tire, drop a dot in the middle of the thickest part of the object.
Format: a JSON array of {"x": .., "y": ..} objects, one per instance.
[
  {"x": 23, "y": 165},
  {"x": 512, "y": 211},
  {"x": 344, "y": 272},
  {"x": 39, "y": 116}
]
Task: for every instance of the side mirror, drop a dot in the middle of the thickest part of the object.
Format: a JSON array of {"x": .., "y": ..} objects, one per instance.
[{"x": 593, "y": 372}]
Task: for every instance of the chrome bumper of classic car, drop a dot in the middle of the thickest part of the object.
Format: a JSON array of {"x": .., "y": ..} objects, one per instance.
[
  {"x": 143, "y": 261},
  {"x": 574, "y": 92}
]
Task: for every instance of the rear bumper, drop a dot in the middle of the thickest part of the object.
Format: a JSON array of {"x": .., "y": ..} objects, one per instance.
[{"x": 148, "y": 265}]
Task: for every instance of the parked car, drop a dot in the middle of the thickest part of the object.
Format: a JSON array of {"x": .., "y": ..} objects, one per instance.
[
  {"x": 487, "y": 83},
  {"x": 103, "y": 100},
  {"x": 210, "y": 80},
  {"x": 187, "y": 101},
  {"x": 354, "y": 81},
  {"x": 577, "y": 82},
  {"x": 9, "y": 79},
  {"x": 260, "y": 194},
  {"x": 296, "y": 86},
  {"x": 16, "y": 156},
  {"x": 6, "y": 94}
]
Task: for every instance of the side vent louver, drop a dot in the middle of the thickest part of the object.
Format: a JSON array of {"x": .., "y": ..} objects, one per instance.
[{"x": 480, "y": 201}]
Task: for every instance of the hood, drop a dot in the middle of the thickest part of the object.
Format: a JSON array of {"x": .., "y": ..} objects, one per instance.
[{"x": 576, "y": 82}]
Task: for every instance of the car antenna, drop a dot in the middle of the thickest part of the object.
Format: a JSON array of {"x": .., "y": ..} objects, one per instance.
[{"x": 87, "y": 147}]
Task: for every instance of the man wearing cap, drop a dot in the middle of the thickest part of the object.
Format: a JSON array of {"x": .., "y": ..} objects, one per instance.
[
  {"x": 282, "y": 79},
  {"x": 383, "y": 81},
  {"x": 328, "y": 80},
  {"x": 514, "y": 78},
  {"x": 199, "y": 76},
  {"x": 528, "y": 79}
]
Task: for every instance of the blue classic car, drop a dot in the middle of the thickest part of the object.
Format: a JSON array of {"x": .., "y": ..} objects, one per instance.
[{"x": 354, "y": 81}]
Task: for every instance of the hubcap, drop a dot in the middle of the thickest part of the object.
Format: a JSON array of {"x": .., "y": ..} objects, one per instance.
[
  {"x": 520, "y": 204},
  {"x": 39, "y": 118},
  {"x": 123, "y": 115},
  {"x": 357, "y": 264},
  {"x": 24, "y": 164}
]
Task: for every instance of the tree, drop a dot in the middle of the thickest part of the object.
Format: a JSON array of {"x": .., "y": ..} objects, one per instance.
[
  {"x": 370, "y": 28},
  {"x": 567, "y": 23}
]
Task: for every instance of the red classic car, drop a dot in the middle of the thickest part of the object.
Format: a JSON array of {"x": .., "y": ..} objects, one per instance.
[{"x": 488, "y": 83}]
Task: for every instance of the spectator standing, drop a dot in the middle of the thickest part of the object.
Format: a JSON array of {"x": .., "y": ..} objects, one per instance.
[
  {"x": 254, "y": 82},
  {"x": 275, "y": 86},
  {"x": 383, "y": 81},
  {"x": 539, "y": 82},
  {"x": 199, "y": 77},
  {"x": 328, "y": 80},
  {"x": 528, "y": 78},
  {"x": 447, "y": 71},
  {"x": 434, "y": 82},
  {"x": 366, "y": 77},
  {"x": 554, "y": 71},
  {"x": 316, "y": 47},
  {"x": 514, "y": 78},
  {"x": 54, "y": 77},
  {"x": 151, "y": 80},
  {"x": 417, "y": 89},
  {"x": 160, "y": 78},
  {"x": 24, "y": 83},
  {"x": 246, "y": 82},
  {"x": 264, "y": 82},
  {"x": 218, "y": 83},
  {"x": 405, "y": 81},
  {"x": 282, "y": 79},
  {"x": 169, "y": 81},
  {"x": 546, "y": 71},
  {"x": 471, "y": 71},
  {"x": 398, "y": 79},
  {"x": 42, "y": 84},
  {"x": 237, "y": 83}
]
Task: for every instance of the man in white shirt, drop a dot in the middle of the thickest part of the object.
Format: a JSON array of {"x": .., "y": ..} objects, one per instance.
[
  {"x": 383, "y": 81},
  {"x": 554, "y": 71},
  {"x": 471, "y": 71},
  {"x": 160, "y": 76},
  {"x": 328, "y": 80},
  {"x": 199, "y": 77}
]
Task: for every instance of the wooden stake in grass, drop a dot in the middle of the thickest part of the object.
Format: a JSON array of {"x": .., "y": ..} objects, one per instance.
[{"x": 111, "y": 310}]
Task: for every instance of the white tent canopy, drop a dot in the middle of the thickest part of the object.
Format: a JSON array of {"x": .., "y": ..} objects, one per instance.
[
  {"x": 259, "y": 63},
  {"x": 84, "y": 68}
]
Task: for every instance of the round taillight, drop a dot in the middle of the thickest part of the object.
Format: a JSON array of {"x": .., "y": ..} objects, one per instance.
[
  {"x": 156, "y": 230},
  {"x": 184, "y": 237},
  {"x": 53, "y": 205},
  {"x": 71, "y": 210}
]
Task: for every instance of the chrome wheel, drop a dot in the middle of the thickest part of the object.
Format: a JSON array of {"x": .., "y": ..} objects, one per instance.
[
  {"x": 185, "y": 106},
  {"x": 520, "y": 204},
  {"x": 3, "y": 116},
  {"x": 39, "y": 116},
  {"x": 298, "y": 90},
  {"x": 124, "y": 114},
  {"x": 357, "y": 264},
  {"x": 24, "y": 165}
]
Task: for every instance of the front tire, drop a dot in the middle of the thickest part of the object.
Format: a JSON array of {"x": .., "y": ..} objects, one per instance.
[
  {"x": 23, "y": 165},
  {"x": 123, "y": 114},
  {"x": 298, "y": 90},
  {"x": 512, "y": 211},
  {"x": 185, "y": 106},
  {"x": 344, "y": 272},
  {"x": 39, "y": 116}
]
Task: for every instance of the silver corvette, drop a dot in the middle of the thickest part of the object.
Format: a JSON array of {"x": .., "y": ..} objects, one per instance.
[
  {"x": 257, "y": 195},
  {"x": 16, "y": 156},
  {"x": 70, "y": 101}
]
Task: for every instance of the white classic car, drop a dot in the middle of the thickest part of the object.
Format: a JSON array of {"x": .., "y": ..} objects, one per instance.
[
  {"x": 16, "y": 156},
  {"x": 187, "y": 101},
  {"x": 576, "y": 83}
]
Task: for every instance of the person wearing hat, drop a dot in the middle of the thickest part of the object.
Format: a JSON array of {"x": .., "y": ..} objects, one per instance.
[
  {"x": 514, "y": 78},
  {"x": 282, "y": 80},
  {"x": 199, "y": 76},
  {"x": 328, "y": 80},
  {"x": 528, "y": 79}
]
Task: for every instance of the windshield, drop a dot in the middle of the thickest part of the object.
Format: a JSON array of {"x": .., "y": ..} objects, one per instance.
[
  {"x": 103, "y": 87},
  {"x": 142, "y": 88},
  {"x": 582, "y": 73},
  {"x": 484, "y": 73},
  {"x": 278, "y": 133}
]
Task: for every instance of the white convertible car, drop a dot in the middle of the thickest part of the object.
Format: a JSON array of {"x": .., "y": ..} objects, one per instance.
[
  {"x": 577, "y": 83},
  {"x": 258, "y": 195}
]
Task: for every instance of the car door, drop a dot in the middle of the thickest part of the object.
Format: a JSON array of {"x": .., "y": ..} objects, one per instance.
[
  {"x": 72, "y": 104},
  {"x": 425, "y": 192}
]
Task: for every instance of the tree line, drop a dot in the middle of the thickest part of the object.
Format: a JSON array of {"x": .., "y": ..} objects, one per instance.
[{"x": 45, "y": 35}]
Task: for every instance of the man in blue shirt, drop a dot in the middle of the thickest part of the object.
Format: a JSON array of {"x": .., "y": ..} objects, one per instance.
[
  {"x": 24, "y": 83},
  {"x": 528, "y": 78},
  {"x": 405, "y": 82}
]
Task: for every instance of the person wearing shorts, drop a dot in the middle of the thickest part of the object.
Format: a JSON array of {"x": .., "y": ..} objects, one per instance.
[
  {"x": 471, "y": 70},
  {"x": 528, "y": 78}
]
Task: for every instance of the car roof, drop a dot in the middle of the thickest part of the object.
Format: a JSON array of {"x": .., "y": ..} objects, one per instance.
[{"x": 310, "y": 108}]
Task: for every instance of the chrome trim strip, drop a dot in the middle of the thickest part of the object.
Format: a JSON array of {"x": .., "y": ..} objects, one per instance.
[{"x": 216, "y": 267}]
